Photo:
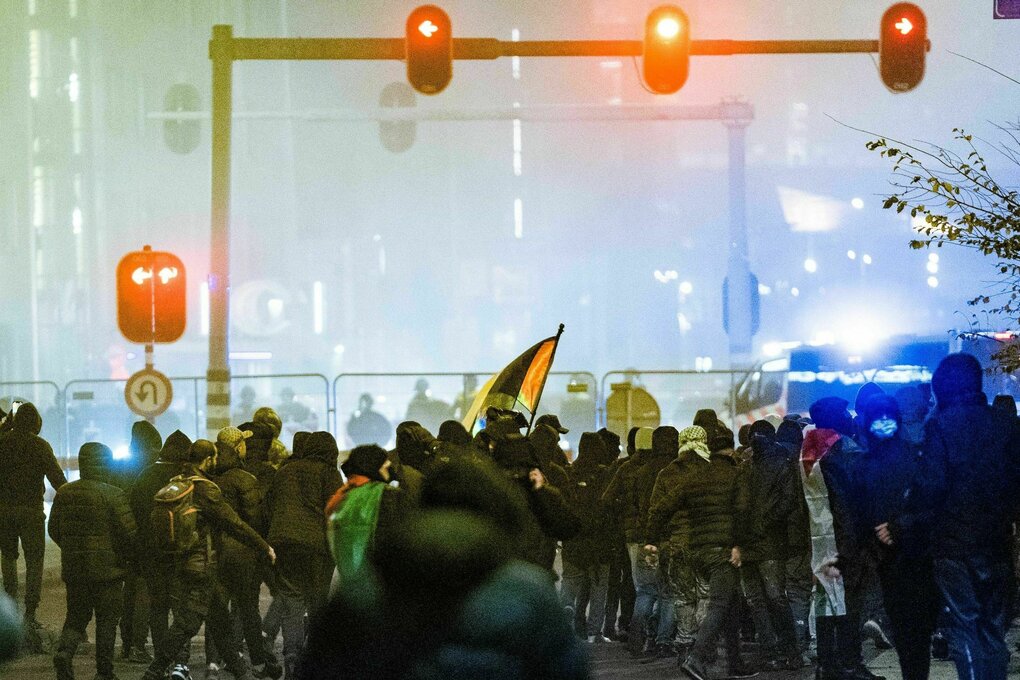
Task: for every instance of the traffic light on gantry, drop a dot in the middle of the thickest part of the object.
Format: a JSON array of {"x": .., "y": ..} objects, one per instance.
[
  {"x": 151, "y": 296},
  {"x": 429, "y": 44},
  {"x": 903, "y": 46},
  {"x": 667, "y": 49}
]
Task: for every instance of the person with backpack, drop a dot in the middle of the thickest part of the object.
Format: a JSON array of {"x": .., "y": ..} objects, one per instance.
[
  {"x": 188, "y": 521},
  {"x": 239, "y": 571},
  {"x": 92, "y": 524},
  {"x": 156, "y": 567},
  {"x": 586, "y": 555}
]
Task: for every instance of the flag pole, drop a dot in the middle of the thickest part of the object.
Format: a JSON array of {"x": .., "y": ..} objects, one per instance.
[{"x": 538, "y": 399}]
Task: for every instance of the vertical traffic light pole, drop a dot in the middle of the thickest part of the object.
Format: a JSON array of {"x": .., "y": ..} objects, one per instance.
[{"x": 221, "y": 52}]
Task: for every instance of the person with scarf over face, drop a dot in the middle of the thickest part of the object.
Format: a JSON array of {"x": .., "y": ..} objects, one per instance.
[
  {"x": 699, "y": 506},
  {"x": 362, "y": 512},
  {"x": 884, "y": 475},
  {"x": 828, "y": 459},
  {"x": 967, "y": 492}
]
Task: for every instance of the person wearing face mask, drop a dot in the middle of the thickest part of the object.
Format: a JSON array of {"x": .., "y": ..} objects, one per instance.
[{"x": 885, "y": 474}]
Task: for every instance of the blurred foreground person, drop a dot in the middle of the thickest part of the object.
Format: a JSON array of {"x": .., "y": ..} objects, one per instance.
[
  {"x": 445, "y": 596},
  {"x": 25, "y": 461},
  {"x": 885, "y": 473},
  {"x": 92, "y": 524},
  {"x": 967, "y": 487},
  {"x": 10, "y": 628}
]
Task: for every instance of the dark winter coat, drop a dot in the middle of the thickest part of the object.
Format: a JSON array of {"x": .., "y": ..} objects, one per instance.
[
  {"x": 587, "y": 482},
  {"x": 546, "y": 441},
  {"x": 216, "y": 520},
  {"x": 555, "y": 522},
  {"x": 621, "y": 497},
  {"x": 25, "y": 460},
  {"x": 301, "y": 489},
  {"x": 771, "y": 493},
  {"x": 241, "y": 491},
  {"x": 706, "y": 494},
  {"x": 150, "y": 481},
  {"x": 644, "y": 484},
  {"x": 91, "y": 522},
  {"x": 967, "y": 485}
]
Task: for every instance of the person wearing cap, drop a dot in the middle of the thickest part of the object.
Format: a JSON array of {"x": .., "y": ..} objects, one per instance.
[
  {"x": 196, "y": 589},
  {"x": 238, "y": 570}
]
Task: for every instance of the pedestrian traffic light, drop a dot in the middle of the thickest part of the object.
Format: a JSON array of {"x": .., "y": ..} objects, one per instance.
[
  {"x": 429, "y": 44},
  {"x": 903, "y": 46},
  {"x": 151, "y": 296},
  {"x": 667, "y": 49}
]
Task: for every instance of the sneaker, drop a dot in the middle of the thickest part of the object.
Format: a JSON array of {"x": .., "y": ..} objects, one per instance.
[
  {"x": 598, "y": 639},
  {"x": 694, "y": 669},
  {"x": 873, "y": 630},
  {"x": 180, "y": 672},
  {"x": 139, "y": 656},
  {"x": 212, "y": 672}
]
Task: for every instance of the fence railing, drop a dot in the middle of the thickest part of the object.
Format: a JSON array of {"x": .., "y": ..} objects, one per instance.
[{"x": 367, "y": 407}]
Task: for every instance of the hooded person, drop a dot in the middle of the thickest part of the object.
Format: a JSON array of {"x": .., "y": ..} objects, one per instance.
[
  {"x": 586, "y": 556},
  {"x": 866, "y": 392},
  {"x": 454, "y": 443},
  {"x": 414, "y": 448},
  {"x": 770, "y": 494},
  {"x": 743, "y": 451},
  {"x": 966, "y": 494},
  {"x": 144, "y": 449},
  {"x": 92, "y": 524},
  {"x": 301, "y": 490},
  {"x": 664, "y": 446},
  {"x": 26, "y": 460},
  {"x": 362, "y": 512},
  {"x": 154, "y": 566},
  {"x": 546, "y": 441},
  {"x": 620, "y": 591},
  {"x": 621, "y": 499},
  {"x": 827, "y": 459},
  {"x": 259, "y": 451},
  {"x": 884, "y": 476},
  {"x": 692, "y": 517},
  {"x": 707, "y": 419},
  {"x": 799, "y": 578},
  {"x": 447, "y": 595}
]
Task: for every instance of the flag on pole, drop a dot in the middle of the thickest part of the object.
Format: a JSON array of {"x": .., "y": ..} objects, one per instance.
[{"x": 519, "y": 384}]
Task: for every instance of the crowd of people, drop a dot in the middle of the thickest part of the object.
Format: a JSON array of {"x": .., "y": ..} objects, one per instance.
[{"x": 494, "y": 555}]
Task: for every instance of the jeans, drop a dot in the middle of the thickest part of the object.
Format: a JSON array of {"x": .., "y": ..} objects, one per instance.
[
  {"x": 689, "y": 589},
  {"x": 912, "y": 604},
  {"x": 644, "y": 597},
  {"x": 27, "y": 524},
  {"x": 721, "y": 614},
  {"x": 302, "y": 581},
  {"x": 799, "y": 581},
  {"x": 765, "y": 589},
  {"x": 977, "y": 592},
  {"x": 83, "y": 600},
  {"x": 586, "y": 586}
]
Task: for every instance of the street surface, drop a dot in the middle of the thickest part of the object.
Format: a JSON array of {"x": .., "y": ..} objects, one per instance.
[{"x": 609, "y": 660}]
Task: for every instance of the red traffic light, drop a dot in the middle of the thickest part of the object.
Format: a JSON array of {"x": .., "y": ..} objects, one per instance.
[
  {"x": 903, "y": 47},
  {"x": 667, "y": 49},
  {"x": 429, "y": 45},
  {"x": 151, "y": 296}
]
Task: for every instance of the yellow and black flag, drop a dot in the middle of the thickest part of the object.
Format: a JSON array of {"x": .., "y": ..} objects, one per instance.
[{"x": 519, "y": 384}]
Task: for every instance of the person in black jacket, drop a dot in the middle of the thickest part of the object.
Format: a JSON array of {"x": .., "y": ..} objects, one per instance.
[
  {"x": 620, "y": 593},
  {"x": 885, "y": 474},
  {"x": 297, "y": 528},
  {"x": 705, "y": 495},
  {"x": 144, "y": 450},
  {"x": 92, "y": 524},
  {"x": 770, "y": 495},
  {"x": 586, "y": 556},
  {"x": 25, "y": 461},
  {"x": 799, "y": 579},
  {"x": 195, "y": 586},
  {"x": 966, "y": 492},
  {"x": 155, "y": 567},
  {"x": 239, "y": 569}
]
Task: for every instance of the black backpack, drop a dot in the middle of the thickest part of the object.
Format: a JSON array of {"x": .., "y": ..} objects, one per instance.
[{"x": 174, "y": 517}]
